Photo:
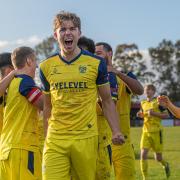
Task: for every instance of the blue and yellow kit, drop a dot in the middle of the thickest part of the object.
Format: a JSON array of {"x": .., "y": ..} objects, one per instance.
[
  {"x": 73, "y": 123},
  {"x": 104, "y": 161},
  {"x": 123, "y": 155},
  {"x": 19, "y": 146}
]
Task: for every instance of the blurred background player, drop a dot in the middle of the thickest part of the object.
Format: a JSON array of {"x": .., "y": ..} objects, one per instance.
[
  {"x": 104, "y": 170},
  {"x": 19, "y": 145},
  {"x": 165, "y": 102},
  {"x": 5, "y": 68},
  {"x": 152, "y": 137},
  {"x": 122, "y": 155},
  {"x": 86, "y": 44}
]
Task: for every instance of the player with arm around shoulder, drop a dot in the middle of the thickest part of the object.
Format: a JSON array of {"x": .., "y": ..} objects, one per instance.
[{"x": 19, "y": 144}]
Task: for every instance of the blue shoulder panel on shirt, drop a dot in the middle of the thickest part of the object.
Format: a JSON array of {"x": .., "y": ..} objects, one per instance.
[
  {"x": 130, "y": 74},
  {"x": 102, "y": 69},
  {"x": 45, "y": 83},
  {"x": 26, "y": 84},
  {"x": 102, "y": 77},
  {"x": 84, "y": 52},
  {"x": 113, "y": 84}
]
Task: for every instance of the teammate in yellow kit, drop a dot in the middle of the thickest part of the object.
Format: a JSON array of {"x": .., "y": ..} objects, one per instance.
[
  {"x": 122, "y": 155},
  {"x": 5, "y": 68},
  {"x": 71, "y": 82},
  {"x": 104, "y": 170},
  {"x": 19, "y": 146},
  {"x": 152, "y": 137}
]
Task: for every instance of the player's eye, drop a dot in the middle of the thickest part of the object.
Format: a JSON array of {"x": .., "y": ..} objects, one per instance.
[
  {"x": 72, "y": 29},
  {"x": 62, "y": 30}
]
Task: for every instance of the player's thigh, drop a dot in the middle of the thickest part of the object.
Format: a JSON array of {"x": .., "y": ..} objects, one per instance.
[
  {"x": 9, "y": 165},
  {"x": 124, "y": 162},
  {"x": 157, "y": 142},
  {"x": 145, "y": 141},
  {"x": 83, "y": 158},
  {"x": 56, "y": 160},
  {"x": 104, "y": 163},
  {"x": 21, "y": 164},
  {"x": 30, "y": 168}
]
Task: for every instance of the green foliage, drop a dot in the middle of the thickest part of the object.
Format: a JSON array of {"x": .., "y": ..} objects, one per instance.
[
  {"x": 128, "y": 58},
  {"x": 166, "y": 61},
  {"x": 46, "y": 48}
]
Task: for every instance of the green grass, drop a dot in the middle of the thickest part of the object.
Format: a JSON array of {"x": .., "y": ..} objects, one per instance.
[{"x": 171, "y": 153}]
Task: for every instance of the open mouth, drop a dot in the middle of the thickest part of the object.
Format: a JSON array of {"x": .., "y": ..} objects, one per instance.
[{"x": 68, "y": 42}]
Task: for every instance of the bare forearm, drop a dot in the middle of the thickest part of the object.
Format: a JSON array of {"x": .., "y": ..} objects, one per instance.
[
  {"x": 133, "y": 84},
  {"x": 5, "y": 82},
  {"x": 160, "y": 115},
  {"x": 46, "y": 116},
  {"x": 174, "y": 110},
  {"x": 111, "y": 115}
]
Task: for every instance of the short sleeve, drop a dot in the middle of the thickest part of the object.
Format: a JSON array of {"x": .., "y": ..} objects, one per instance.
[
  {"x": 130, "y": 74},
  {"x": 29, "y": 89},
  {"x": 102, "y": 77},
  {"x": 45, "y": 84},
  {"x": 113, "y": 85}
]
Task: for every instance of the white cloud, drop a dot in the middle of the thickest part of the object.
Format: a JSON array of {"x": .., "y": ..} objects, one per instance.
[
  {"x": 10, "y": 45},
  {"x": 3, "y": 44}
]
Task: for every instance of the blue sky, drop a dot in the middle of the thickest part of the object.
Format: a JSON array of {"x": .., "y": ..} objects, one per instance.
[{"x": 146, "y": 23}]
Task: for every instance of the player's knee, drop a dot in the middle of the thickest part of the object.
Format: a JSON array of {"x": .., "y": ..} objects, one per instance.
[
  {"x": 158, "y": 158},
  {"x": 144, "y": 154}
]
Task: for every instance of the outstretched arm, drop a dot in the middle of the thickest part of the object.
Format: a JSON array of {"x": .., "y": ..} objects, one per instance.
[
  {"x": 162, "y": 115},
  {"x": 165, "y": 101}
]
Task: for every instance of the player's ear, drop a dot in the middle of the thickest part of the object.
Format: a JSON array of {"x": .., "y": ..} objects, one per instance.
[
  {"x": 110, "y": 53},
  {"x": 55, "y": 35},
  {"x": 28, "y": 61}
]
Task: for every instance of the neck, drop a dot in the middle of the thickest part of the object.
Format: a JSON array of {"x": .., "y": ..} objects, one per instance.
[
  {"x": 68, "y": 56},
  {"x": 149, "y": 98},
  {"x": 25, "y": 71}
]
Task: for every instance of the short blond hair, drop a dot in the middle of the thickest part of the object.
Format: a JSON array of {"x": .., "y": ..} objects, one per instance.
[
  {"x": 20, "y": 55},
  {"x": 151, "y": 86},
  {"x": 66, "y": 16}
]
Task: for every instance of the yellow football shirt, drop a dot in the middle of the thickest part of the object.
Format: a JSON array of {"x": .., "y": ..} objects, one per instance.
[
  {"x": 151, "y": 123},
  {"x": 73, "y": 89},
  {"x": 20, "y": 121},
  {"x": 1, "y": 113},
  {"x": 123, "y": 106}
]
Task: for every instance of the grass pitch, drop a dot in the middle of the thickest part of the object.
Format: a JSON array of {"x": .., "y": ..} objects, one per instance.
[{"x": 171, "y": 154}]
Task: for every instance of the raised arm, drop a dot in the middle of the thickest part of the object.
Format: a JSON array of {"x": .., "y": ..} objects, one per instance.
[{"x": 130, "y": 80}]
